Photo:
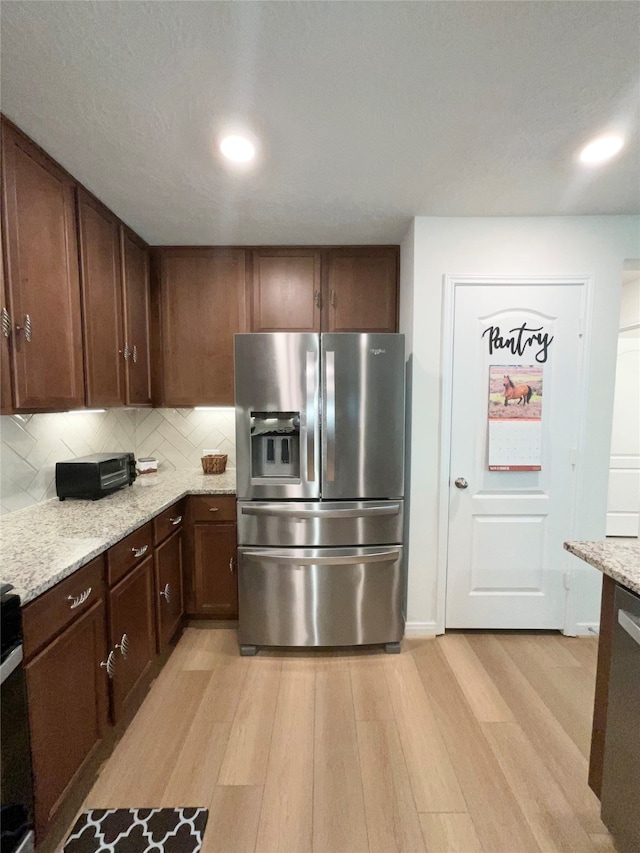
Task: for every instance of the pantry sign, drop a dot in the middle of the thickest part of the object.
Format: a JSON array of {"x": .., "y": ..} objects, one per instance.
[{"x": 519, "y": 341}]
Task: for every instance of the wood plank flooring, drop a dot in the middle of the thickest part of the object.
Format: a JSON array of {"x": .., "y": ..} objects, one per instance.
[{"x": 467, "y": 742}]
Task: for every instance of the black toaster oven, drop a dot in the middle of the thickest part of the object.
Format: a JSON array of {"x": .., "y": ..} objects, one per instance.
[{"x": 93, "y": 477}]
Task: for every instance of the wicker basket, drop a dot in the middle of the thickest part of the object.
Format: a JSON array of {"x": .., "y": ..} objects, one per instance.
[{"x": 214, "y": 464}]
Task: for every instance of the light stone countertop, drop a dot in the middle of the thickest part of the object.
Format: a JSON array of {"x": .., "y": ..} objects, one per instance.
[
  {"x": 618, "y": 558},
  {"x": 42, "y": 544}
]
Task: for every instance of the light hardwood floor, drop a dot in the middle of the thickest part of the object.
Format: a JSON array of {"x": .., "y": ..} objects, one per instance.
[{"x": 467, "y": 742}]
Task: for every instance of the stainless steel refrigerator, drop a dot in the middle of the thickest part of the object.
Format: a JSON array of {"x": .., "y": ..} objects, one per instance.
[{"x": 320, "y": 486}]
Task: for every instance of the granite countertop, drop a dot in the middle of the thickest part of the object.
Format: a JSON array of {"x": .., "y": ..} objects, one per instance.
[
  {"x": 41, "y": 545},
  {"x": 618, "y": 558}
]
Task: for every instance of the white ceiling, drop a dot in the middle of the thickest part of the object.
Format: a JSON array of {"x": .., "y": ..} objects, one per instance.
[{"x": 369, "y": 113}]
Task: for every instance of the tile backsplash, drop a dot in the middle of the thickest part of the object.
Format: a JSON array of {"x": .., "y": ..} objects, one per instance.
[{"x": 30, "y": 445}]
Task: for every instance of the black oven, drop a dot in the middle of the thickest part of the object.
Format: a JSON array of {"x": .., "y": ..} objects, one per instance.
[{"x": 16, "y": 782}]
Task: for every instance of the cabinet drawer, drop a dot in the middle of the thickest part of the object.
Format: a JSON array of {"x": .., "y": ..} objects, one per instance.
[
  {"x": 168, "y": 522},
  {"x": 213, "y": 508},
  {"x": 48, "y": 614},
  {"x": 129, "y": 551}
]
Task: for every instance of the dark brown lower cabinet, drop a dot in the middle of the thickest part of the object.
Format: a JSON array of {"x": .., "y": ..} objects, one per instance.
[
  {"x": 216, "y": 578},
  {"x": 68, "y": 709},
  {"x": 168, "y": 587},
  {"x": 131, "y": 633}
]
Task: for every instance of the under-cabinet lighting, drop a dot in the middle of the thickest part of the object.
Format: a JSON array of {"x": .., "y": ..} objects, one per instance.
[
  {"x": 85, "y": 411},
  {"x": 214, "y": 409}
]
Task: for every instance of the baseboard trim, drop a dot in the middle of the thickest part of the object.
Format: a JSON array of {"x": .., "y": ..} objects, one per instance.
[
  {"x": 420, "y": 629},
  {"x": 587, "y": 629}
]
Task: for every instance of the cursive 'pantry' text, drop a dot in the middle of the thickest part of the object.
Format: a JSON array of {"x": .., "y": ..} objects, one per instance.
[{"x": 517, "y": 340}]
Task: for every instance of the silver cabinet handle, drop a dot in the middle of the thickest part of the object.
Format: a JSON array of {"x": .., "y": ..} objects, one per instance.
[
  {"x": 292, "y": 512},
  {"x": 274, "y": 557},
  {"x": 123, "y": 645},
  {"x": 316, "y": 298},
  {"x": 630, "y": 624},
  {"x": 214, "y": 508},
  {"x": 125, "y": 352},
  {"x": 134, "y": 354},
  {"x": 460, "y": 483},
  {"x": 332, "y": 298},
  {"x": 109, "y": 664},
  {"x": 166, "y": 593},
  {"x": 27, "y": 328},
  {"x": 139, "y": 552},
  {"x": 6, "y": 322},
  {"x": 175, "y": 521},
  {"x": 231, "y": 562},
  {"x": 77, "y": 600}
]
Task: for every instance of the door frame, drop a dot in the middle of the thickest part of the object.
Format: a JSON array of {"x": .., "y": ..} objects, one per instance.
[{"x": 450, "y": 282}]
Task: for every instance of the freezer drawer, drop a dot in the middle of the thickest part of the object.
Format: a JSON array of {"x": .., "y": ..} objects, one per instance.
[
  {"x": 320, "y": 596},
  {"x": 314, "y": 524}
]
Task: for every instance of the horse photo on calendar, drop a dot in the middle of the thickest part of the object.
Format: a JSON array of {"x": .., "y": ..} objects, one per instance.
[{"x": 515, "y": 391}]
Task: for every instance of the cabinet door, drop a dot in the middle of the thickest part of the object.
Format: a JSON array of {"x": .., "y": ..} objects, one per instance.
[
  {"x": 285, "y": 290},
  {"x": 202, "y": 305},
  {"x": 169, "y": 599},
  {"x": 360, "y": 289},
  {"x": 43, "y": 290},
  {"x": 216, "y": 578},
  {"x": 67, "y": 692},
  {"x": 132, "y": 632},
  {"x": 135, "y": 281},
  {"x": 101, "y": 302}
]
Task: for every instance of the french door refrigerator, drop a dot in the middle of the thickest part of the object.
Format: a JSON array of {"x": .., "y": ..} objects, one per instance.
[{"x": 320, "y": 486}]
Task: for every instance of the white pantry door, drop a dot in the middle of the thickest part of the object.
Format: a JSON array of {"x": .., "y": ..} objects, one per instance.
[{"x": 506, "y": 564}]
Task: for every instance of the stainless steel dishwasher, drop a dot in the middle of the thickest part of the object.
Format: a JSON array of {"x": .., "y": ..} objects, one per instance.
[{"x": 621, "y": 771}]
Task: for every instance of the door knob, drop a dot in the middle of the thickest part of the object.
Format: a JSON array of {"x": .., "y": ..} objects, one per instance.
[{"x": 461, "y": 483}]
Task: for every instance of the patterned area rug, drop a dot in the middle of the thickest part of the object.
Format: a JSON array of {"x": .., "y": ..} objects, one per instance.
[{"x": 138, "y": 831}]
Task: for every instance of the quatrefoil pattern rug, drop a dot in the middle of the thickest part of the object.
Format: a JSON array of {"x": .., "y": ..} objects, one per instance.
[{"x": 138, "y": 831}]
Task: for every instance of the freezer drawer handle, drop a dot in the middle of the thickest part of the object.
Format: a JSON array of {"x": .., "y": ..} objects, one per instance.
[
  {"x": 630, "y": 625},
  {"x": 286, "y": 512},
  {"x": 269, "y": 556}
]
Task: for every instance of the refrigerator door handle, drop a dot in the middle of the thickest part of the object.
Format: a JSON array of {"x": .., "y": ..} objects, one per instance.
[
  {"x": 311, "y": 415},
  {"x": 292, "y": 512},
  {"x": 330, "y": 415},
  {"x": 274, "y": 557}
]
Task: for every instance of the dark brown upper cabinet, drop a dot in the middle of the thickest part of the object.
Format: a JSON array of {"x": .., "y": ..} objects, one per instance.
[
  {"x": 285, "y": 290},
  {"x": 43, "y": 293},
  {"x": 360, "y": 289},
  {"x": 198, "y": 305},
  {"x": 135, "y": 283},
  {"x": 345, "y": 289},
  {"x": 101, "y": 287}
]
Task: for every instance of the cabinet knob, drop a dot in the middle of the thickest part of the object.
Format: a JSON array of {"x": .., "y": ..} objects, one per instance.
[
  {"x": 134, "y": 354},
  {"x": 176, "y": 521},
  {"x": 332, "y": 298},
  {"x": 123, "y": 645},
  {"x": 125, "y": 351},
  {"x": 109, "y": 664},
  {"x": 316, "y": 298},
  {"x": 139, "y": 552},
  {"x": 77, "y": 600},
  {"x": 214, "y": 508},
  {"x": 231, "y": 563},
  {"x": 6, "y": 322},
  {"x": 166, "y": 593}
]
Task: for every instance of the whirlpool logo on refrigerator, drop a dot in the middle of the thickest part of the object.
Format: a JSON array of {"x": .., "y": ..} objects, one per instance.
[{"x": 376, "y": 351}]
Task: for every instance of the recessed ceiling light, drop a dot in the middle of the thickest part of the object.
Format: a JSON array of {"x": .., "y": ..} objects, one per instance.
[
  {"x": 601, "y": 149},
  {"x": 238, "y": 148}
]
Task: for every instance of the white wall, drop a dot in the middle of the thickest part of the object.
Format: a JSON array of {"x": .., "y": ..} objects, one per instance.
[{"x": 525, "y": 246}]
